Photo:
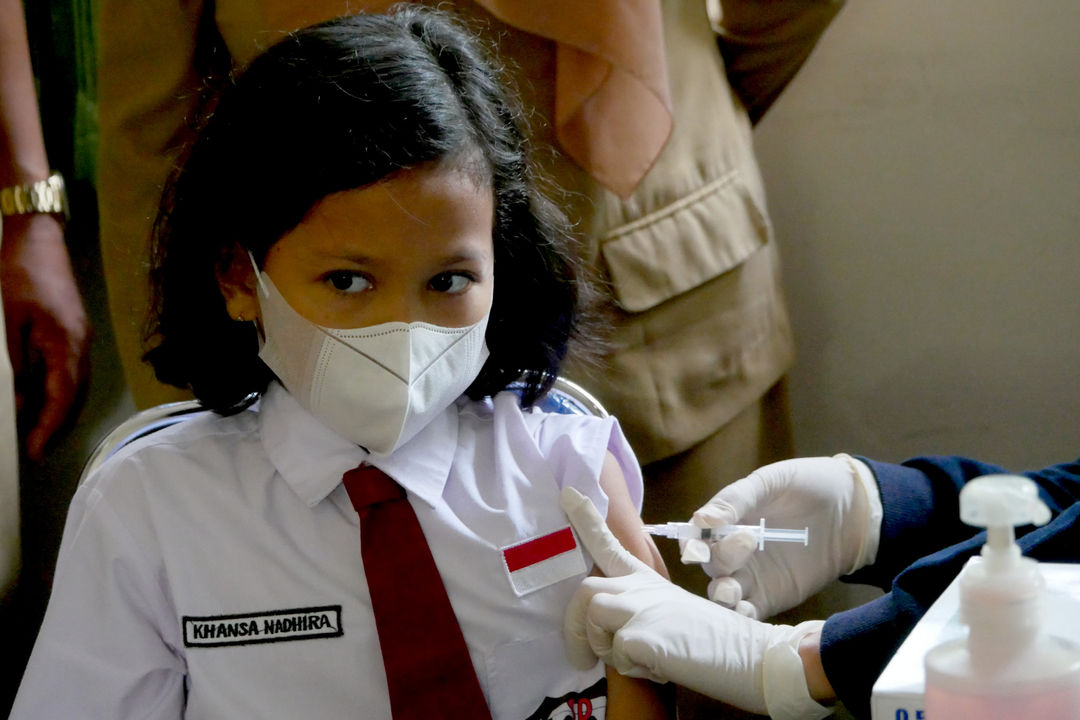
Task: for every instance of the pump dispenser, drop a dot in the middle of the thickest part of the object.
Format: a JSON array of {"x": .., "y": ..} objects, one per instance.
[{"x": 1006, "y": 666}]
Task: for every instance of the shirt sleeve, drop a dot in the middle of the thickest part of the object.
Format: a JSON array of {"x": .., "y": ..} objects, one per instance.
[
  {"x": 765, "y": 42},
  {"x": 107, "y": 646},
  {"x": 148, "y": 93},
  {"x": 920, "y": 499},
  {"x": 577, "y": 446}
]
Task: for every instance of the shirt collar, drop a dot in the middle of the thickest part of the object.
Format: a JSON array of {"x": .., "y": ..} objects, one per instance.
[{"x": 312, "y": 458}]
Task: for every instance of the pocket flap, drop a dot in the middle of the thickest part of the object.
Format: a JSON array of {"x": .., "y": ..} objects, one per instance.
[{"x": 685, "y": 244}]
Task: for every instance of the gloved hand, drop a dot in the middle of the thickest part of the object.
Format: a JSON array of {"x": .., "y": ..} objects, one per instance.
[
  {"x": 836, "y": 498},
  {"x": 646, "y": 627}
]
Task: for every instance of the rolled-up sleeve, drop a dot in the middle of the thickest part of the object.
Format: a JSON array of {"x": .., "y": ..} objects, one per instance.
[{"x": 764, "y": 43}]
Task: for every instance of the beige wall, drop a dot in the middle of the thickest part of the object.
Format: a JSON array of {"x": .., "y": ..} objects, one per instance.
[{"x": 924, "y": 179}]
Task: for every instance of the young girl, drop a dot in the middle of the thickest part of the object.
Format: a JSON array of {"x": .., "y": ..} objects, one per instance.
[{"x": 355, "y": 239}]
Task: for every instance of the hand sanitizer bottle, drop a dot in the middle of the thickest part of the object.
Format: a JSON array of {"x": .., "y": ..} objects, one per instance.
[{"x": 1006, "y": 666}]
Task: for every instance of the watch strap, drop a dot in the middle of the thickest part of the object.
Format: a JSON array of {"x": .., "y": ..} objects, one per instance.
[{"x": 45, "y": 196}]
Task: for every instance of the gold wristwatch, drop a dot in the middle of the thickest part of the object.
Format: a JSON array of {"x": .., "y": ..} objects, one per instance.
[{"x": 45, "y": 196}]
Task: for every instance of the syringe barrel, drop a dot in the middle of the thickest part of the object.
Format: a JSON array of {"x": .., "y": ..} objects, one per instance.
[
  {"x": 766, "y": 534},
  {"x": 762, "y": 534}
]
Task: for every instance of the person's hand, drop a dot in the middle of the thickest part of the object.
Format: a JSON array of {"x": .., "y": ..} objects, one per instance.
[
  {"x": 644, "y": 626},
  {"x": 835, "y": 498},
  {"x": 47, "y": 329}
]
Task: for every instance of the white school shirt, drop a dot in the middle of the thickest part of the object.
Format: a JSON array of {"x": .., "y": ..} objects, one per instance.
[{"x": 213, "y": 569}]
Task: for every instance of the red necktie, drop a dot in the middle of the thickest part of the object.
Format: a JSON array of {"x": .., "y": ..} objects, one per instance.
[{"x": 428, "y": 668}]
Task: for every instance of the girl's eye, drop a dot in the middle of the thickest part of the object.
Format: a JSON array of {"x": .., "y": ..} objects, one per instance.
[
  {"x": 348, "y": 282},
  {"x": 451, "y": 282}
]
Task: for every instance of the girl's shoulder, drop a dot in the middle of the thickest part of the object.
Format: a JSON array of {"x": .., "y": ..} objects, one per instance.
[
  {"x": 577, "y": 443},
  {"x": 202, "y": 444},
  {"x": 503, "y": 413},
  {"x": 182, "y": 472}
]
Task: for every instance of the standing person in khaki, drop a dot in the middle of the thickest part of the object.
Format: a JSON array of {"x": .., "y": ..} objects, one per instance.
[{"x": 649, "y": 128}]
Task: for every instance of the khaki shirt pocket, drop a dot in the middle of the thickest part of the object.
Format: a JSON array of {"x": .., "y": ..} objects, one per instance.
[{"x": 684, "y": 244}]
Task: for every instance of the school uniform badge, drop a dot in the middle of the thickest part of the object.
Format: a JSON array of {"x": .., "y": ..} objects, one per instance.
[
  {"x": 262, "y": 627},
  {"x": 543, "y": 560},
  {"x": 588, "y": 704}
]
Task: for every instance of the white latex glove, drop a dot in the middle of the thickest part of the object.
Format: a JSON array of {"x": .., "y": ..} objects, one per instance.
[
  {"x": 836, "y": 498},
  {"x": 646, "y": 627}
]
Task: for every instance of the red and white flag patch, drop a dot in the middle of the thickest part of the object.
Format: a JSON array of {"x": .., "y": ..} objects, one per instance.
[{"x": 543, "y": 560}]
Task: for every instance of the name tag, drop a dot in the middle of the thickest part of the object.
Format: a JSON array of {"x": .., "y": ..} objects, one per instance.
[
  {"x": 263, "y": 627},
  {"x": 543, "y": 560}
]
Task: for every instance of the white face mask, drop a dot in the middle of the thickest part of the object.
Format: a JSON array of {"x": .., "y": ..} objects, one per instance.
[{"x": 377, "y": 386}]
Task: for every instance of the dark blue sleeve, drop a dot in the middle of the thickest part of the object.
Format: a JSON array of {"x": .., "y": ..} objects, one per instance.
[{"x": 921, "y": 531}]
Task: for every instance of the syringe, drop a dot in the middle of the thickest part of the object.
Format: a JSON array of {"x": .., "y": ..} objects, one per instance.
[{"x": 689, "y": 531}]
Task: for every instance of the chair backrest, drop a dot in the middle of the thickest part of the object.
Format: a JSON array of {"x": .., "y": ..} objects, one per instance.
[
  {"x": 565, "y": 397},
  {"x": 139, "y": 425},
  {"x": 569, "y": 398}
]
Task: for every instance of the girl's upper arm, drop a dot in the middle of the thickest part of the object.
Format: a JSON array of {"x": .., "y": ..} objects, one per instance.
[
  {"x": 622, "y": 517},
  {"x": 106, "y": 645},
  {"x": 630, "y": 697}
]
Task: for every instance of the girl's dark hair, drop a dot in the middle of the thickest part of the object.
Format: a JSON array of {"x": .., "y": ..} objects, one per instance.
[{"x": 337, "y": 106}]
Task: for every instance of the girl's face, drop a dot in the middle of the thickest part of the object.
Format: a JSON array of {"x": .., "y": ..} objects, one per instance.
[{"x": 415, "y": 247}]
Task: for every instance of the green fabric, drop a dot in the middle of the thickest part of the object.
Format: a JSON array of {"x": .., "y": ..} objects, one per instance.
[
  {"x": 86, "y": 118},
  {"x": 61, "y": 35}
]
